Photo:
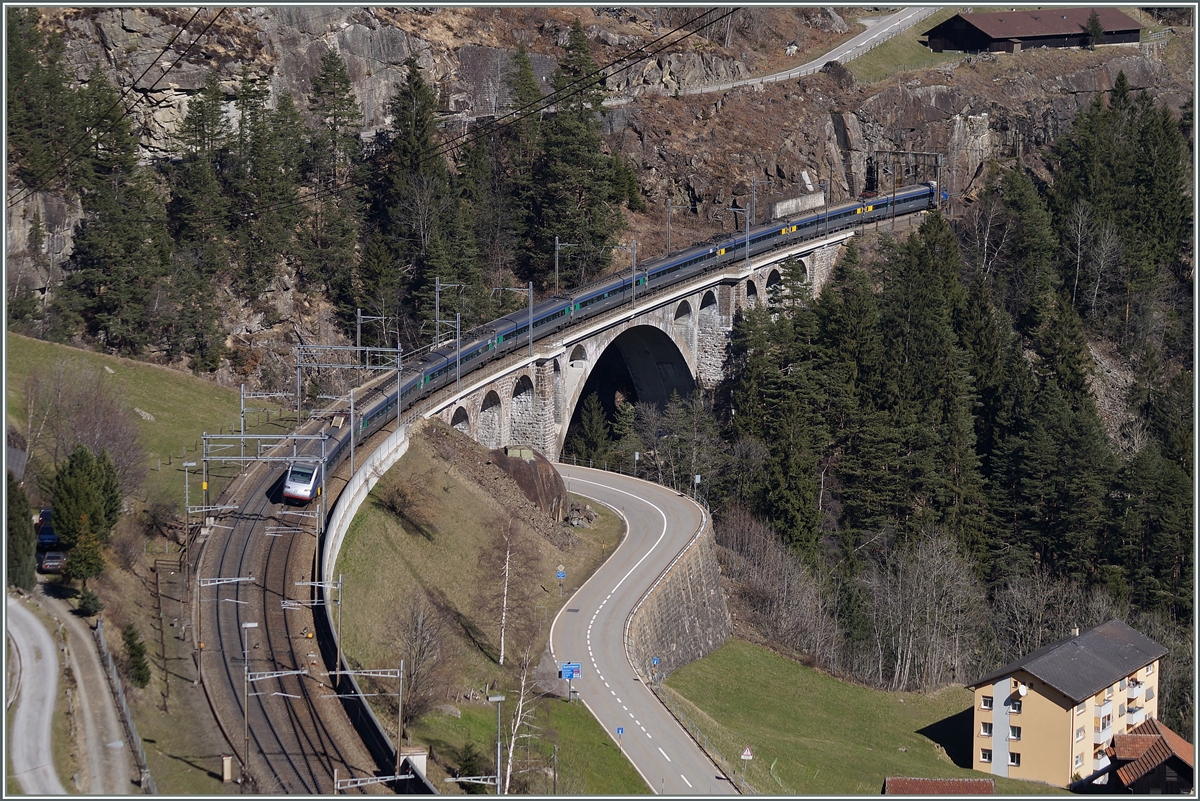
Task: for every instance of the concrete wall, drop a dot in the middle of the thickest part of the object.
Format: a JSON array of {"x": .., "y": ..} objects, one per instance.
[{"x": 683, "y": 616}]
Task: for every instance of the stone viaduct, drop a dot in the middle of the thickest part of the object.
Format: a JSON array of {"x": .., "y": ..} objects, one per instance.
[{"x": 672, "y": 340}]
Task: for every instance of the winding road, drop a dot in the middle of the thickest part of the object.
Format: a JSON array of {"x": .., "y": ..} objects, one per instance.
[
  {"x": 29, "y": 748},
  {"x": 590, "y": 630}
]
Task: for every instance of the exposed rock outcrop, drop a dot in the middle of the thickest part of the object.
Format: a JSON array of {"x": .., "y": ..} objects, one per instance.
[{"x": 536, "y": 477}]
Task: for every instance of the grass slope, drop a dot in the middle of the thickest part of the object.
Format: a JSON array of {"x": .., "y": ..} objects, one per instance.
[
  {"x": 384, "y": 560},
  {"x": 183, "y": 407},
  {"x": 812, "y": 734}
]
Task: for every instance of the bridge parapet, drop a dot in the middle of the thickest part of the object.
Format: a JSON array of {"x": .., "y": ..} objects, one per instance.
[{"x": 529, "y": 400}]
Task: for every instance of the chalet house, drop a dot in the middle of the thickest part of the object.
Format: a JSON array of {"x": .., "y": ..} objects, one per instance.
[
  {"x": 1012, "y": 31},
  {"x": 1151, "y": 759},
  {"x": 1049, "y": 715}
]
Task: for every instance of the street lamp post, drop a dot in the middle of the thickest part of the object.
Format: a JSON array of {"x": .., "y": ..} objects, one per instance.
[
  {"x": 246, "y": 699},
  {"x": 496, "y": 699}
]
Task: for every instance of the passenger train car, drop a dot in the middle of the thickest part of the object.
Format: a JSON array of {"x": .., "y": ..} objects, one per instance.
[{"x": 440, "y": 366}]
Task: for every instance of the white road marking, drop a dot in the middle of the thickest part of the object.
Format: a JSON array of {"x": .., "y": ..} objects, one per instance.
[
  {"x": 664, "y": 753},
  {"x": 685, "y": 781}
]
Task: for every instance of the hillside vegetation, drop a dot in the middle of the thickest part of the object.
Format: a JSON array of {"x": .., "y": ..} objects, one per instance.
[{"x": 420, "y": 558}]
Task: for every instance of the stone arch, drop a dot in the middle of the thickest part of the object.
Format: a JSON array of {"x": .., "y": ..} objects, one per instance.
[
  {"x": 461, "y": 421},
  {"x": 650, "y": 358},
  {"x": 490, "y": 421},
  {"x": 774, "y": 283},
  {"x": 709, "y": 301},
  {"x": 523, "y": 429},
  {"x": 683, "y": 312},
  {"x": 579, "y": 357},
  {"x": 751, "y": 293}
]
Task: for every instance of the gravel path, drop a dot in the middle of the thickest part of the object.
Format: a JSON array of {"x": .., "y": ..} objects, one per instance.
[{"x": 106, "y": 765}]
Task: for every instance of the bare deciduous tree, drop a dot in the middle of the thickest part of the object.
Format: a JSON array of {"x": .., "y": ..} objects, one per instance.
[
  {"x": 987, "y": 228},
  {"x": 521, "y": 727},
  {"x": 1080, "y": 228},
  {"x": 927, "y": 612},
  {"x": 74, "y": 405},
  {"x": 509, "y": 566},
  {"x": 425, "y": 641}
]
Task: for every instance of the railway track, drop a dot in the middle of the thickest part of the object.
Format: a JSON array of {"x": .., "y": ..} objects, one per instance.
[{"x": 298, "y": 736}]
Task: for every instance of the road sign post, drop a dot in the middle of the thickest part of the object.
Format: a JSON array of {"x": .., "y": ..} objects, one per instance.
[
  {"x": 620, "y": 731},
  {"x": 560, "y": 575},
  {"x": 569, "y": 671},
  {"x": 747, "y": 755}
]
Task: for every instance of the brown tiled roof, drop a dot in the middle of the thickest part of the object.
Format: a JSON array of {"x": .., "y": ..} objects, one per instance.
[
  {"x": 1179, "y": 746},
  {"x": 1048, "y": 22},
  {"x": 1148, "y": 745},
  {"x": 894, "y": 785},
  {"x": 1126, "y": 747}
]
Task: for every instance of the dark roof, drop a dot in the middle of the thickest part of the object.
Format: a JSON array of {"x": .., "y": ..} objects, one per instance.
[
  {"x": 895, "y": 785},
  {"x": 1045, "y": 22},
  {"x": 1079, "y": 667},
  {"x": 1148, "y": 745}
]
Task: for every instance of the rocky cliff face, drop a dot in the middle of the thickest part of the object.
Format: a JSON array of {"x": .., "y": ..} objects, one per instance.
[{"x": 704, "y": 152}]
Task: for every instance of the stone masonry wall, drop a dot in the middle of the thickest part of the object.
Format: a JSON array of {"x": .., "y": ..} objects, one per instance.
[{"x": 685, "y": 616}]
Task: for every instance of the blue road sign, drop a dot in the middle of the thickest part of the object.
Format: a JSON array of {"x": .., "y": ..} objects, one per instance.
[
  {"x": 620, "y": 730},
  {"x": 562, "y": 574},
  {"x": 654, "y": 661},
  {"x": 569, "y": 670}
]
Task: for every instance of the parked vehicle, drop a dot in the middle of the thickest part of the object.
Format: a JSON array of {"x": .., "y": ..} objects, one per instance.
[{"x": 54, "y": 562}]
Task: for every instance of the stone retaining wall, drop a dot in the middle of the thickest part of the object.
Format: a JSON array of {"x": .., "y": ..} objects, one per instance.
[{"x": 683, "y": 616}]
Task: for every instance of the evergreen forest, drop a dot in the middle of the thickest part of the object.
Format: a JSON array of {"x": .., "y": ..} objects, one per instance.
[{"x": 912, "y": 478}]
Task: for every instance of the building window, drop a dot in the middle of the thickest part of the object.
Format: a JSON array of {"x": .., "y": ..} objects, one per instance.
[
  {"x": 1014, "y": 732},
  {"x": 1104, "y": 722},
  {"x": 1079, "y": 760},
  {"x": 985, "y": 702},
  {"x": 1149, "y": 693},
  {"x": 1149, "y": 668},
  {"x": 1015, "y": 707},
  {"x": 985, "y": 729},
  {"x": 1014, "y": 759},
  {"x": 1108, "y": 691},
  {"x": 1079, "y": 710},
  {"x": 1121, "y": 709},
  {"x": 1079, "y": 734},
  {"x": 985, "y": 755},
  {"x": 1124, "y": 684}
]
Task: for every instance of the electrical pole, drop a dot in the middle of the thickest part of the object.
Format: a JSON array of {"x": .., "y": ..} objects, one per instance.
[{"x": 557, "y": 246}]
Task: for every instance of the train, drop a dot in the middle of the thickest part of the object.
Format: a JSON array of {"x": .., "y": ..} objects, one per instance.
[{"x": 439, "y": 366}]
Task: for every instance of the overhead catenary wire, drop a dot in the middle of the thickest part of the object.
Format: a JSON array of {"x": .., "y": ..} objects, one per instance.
[{"x": 85, "y": 139}]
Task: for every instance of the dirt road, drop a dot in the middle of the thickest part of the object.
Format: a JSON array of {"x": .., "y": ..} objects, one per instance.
[{"x": 36, "y": 683}]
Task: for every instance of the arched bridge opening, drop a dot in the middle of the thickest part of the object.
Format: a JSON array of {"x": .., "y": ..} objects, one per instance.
[{"x": 643, "y": 364}]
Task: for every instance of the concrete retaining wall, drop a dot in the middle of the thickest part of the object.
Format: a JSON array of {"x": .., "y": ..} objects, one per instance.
[{"x": 683, "y": 616}]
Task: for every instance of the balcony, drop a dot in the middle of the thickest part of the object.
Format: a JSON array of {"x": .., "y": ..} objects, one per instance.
[
  {"x": 1134, "y": 715},
  {"x": 1135, "y": 689},
  {"x": 1100, "y": 762},
  {"x": 1102, "y": 736}
]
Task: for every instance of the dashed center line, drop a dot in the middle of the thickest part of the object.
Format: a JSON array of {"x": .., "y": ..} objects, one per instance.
[{"x": 685, "y": 781}]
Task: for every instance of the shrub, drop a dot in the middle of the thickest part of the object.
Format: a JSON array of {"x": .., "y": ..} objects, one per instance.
[
  {"x": 135, "y": 649},
  {"x": 90, "y": 603}
]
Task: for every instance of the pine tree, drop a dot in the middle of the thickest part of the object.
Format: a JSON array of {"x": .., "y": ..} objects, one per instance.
[
  {"x": 111, "y": 500},
  {"x": 22, "y": 541},
  {"x": 576, "y": 195},
  {"x": 86, "y": 557},
  {"x": 590, "y": 438},
  {"x": 1093, "y": 30},
  {"x": 204, "y": 130},
  {"x": 77, "y": 495},
  {"x": 335, "y": 145}
]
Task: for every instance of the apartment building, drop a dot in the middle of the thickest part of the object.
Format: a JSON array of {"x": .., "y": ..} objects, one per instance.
[{"x": 1049, "y": 715}]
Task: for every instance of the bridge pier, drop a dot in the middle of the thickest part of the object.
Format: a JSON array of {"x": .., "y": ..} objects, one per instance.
[{"x": 672, "y": 340}]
